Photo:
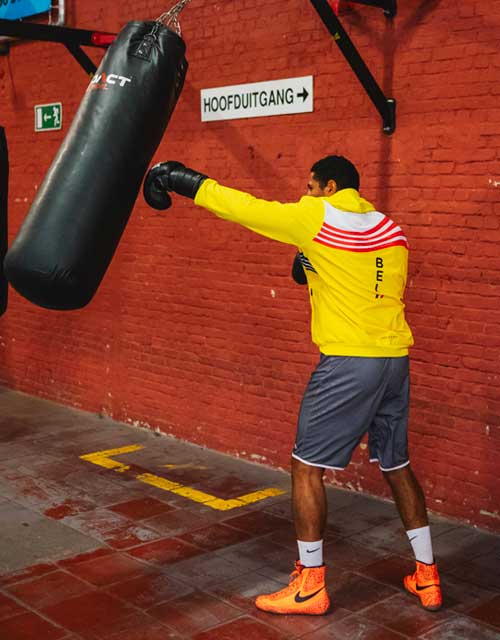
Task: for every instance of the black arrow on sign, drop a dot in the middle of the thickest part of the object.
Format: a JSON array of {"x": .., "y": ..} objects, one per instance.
[{"x": 304, "y": 94}]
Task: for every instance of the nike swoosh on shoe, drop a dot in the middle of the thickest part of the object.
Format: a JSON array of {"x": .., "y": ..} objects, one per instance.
[
  {"x": 299, "y": 598},
  {"x": 418, "y": 588}
]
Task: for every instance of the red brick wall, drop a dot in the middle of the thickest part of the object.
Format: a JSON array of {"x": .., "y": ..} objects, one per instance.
[{"x": 197, "y": 328}]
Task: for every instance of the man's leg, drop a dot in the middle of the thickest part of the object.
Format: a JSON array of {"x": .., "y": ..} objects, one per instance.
[
  {"x": 306, "y": 593},
  {"x": 408, "y": 496},
  {"x": 321, "y": 432},
  {"x": 308, "y": 501},
  {"x": 309, "y": 512},
  {"x": 410, "y": 502}
]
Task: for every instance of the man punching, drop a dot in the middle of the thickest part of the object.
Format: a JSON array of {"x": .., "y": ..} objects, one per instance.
[{"x": 354, "y": 260}]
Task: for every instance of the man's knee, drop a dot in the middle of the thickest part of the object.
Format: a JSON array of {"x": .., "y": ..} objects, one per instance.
[
  {"x": 398, "y": 474},
  {"x": 402, "y": 480},
  {"x": 306, "y": 472}
]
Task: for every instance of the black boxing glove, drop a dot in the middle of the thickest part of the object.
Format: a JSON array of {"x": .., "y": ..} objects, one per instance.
[
  {"x": 298, "y": 273},
  {"x": 155, "y": 189},
  {"x": 170, "y": 176}
]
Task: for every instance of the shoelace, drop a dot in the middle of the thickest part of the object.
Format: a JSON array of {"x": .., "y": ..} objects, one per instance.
[
  {"x": 427, "y": 574},
  {"x": 296, "y": 572}
]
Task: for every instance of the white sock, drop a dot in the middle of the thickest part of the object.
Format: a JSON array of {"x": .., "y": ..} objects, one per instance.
[
  {"x": 420, "y": 540},
  {"x": 310, "y": 553}
]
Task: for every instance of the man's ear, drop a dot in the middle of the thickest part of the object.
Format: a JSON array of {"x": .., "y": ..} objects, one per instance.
[{"x": 331, "y": 187}]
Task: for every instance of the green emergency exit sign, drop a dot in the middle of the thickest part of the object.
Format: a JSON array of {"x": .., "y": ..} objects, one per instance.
[{"x": 48, "y": 117}]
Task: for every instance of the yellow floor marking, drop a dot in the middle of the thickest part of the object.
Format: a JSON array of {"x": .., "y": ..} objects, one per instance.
[
  {"x": 103, "y": 459},
  {"x": 241, "y": 501},
  {"x": 205, "y": 498},
  {"x": 183, "y": 466}
]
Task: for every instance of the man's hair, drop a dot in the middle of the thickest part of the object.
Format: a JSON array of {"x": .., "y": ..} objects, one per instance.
[{"x": 336, "y": 168}]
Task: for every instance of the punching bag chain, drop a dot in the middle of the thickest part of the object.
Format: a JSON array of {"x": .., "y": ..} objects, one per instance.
[{"x": 171, "y": 18}]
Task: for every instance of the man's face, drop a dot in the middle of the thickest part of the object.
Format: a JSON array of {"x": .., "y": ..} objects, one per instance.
[{"x": 317, "y": 191}]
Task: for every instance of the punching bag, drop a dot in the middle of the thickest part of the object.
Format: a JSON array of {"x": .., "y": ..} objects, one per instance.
[
  {"x": 4, "y": 192},
  {"x": 70, "y": 234}
]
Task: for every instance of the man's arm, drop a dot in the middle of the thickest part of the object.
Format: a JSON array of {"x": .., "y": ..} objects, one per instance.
[{"x": 293, "y": 223}]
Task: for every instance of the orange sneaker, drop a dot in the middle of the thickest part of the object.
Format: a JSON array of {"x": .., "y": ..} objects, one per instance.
[
  {"x": 305, "y": 594},
  {"x": 425, "y": 584}
]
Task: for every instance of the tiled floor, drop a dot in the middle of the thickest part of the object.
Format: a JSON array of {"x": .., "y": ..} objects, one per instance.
[{"x": 97, "y": 552}]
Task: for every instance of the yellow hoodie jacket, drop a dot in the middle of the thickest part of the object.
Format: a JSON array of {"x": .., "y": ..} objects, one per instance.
[{"x": 355, "y": 259}]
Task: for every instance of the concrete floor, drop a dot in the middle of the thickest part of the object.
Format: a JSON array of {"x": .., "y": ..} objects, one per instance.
[{"x": 156, "y": 539}]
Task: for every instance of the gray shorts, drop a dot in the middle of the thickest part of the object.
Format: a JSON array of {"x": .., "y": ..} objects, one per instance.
[{"x": 347, "y": 397}]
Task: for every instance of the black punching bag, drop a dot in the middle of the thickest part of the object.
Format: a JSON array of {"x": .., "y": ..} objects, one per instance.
[
  {"x": 4, "y": 188},
  {"x": 68, "y": 238}
]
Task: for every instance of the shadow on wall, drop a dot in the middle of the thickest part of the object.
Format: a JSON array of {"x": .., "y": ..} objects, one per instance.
[
  {"x": 245, "y": 154},
  {"x": 394, "y": 36},
  {"x": 15, "y": 100},
  {"x": 241, "y": 148}
]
